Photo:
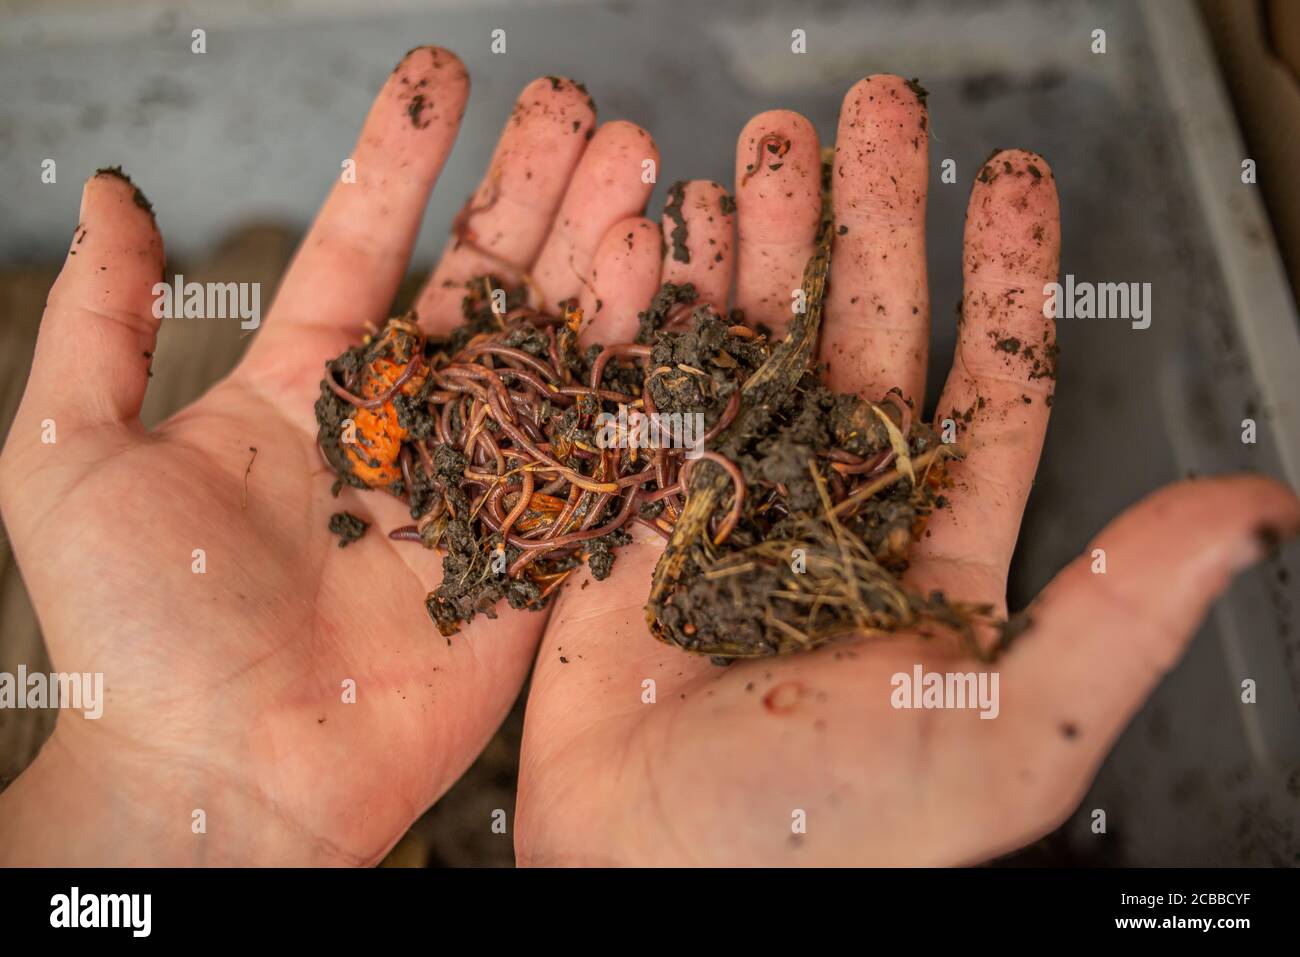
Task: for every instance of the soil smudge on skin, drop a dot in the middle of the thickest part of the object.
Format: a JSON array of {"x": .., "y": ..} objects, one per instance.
[
  {"x": 415, "y": 110},
  {"x": 673, "y": 212}
]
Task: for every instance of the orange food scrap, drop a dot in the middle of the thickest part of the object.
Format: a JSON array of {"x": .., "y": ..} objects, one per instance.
[{"x": 378, "y": 435}]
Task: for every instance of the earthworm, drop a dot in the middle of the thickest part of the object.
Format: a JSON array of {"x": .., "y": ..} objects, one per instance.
[
  {"x": 534, "y": 363},
  {"x": 576, "y": 495},
  {"x": 610, "y": 352},
  {"x": 728, "y": 416},
  {"x": 846, "y": 463},
  {"x": 783, "y": 147},
  {"x": 534, "y": 550},
  {"x": 599, "y": 393},
  {"x": 904, "y": 411},
  {"x": 737, "y": 480},
  {"x": 525, "y": 496},
  {"x": 379, "y": 400},
  {"x": 404, "y": 457},
  {"x": 662, "y": 493},
  {"x": 541, "y": 387}
]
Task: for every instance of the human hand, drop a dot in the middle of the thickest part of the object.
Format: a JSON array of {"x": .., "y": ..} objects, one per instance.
[
  {"x": 715, "y": 769},
  {"x": 225, "y": 689}
]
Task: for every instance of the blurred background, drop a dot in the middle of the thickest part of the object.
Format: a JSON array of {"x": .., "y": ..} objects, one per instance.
[{"x": 236, "y": 147}]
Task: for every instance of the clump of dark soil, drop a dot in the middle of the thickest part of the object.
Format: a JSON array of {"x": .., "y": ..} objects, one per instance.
[
  {"x": 799, "y": 520},
  {"x": 347, "y": 527}
]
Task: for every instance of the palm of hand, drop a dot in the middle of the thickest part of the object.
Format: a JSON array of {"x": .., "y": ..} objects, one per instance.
[
  {"x": 323, "y": 675},
  {"x": 636, "y": 753}
]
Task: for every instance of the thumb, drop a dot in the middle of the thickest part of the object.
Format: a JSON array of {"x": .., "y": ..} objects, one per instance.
[
  {"x": 1099, "y": 641},
  {"x": 97, "y": 335}
]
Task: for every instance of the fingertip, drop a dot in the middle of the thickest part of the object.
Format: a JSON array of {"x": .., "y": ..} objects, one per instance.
[
  {"x": 620, "y": 148},
  {"x": 1020, "y": 157},
  {"x": 887, "y": 94},
  {"x": 778, "y": 177},
  {"x": 777, "y": 121},
  {"x": 560, "y": 98},
  {"x": 117, "y": 227},
  {"x": 646, "y": 228},
  {"x": 1013, "y": 220},
  {"x": 708, "y": 197},
  {"x": 625, "y": 235},
  {"x": 429, "y": 60},
  {"x": 1017, "y": 173},
  {"x": 100, "y": 324},
  {"x": 110, "y": 185},
  {"x": 624, "y": 276},
  {"x": 544, "y": 139},
  {"x": 775, "y": 140},
  {"x": 707, "y": 184},
  {"x": 429, "y": 88},
  {"x": 882, "y": 153}
]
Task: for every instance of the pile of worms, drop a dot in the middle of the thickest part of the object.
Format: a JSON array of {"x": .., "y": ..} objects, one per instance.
[
  {"x": 493, "y": 439},
  {"x": 517, "y": 454}
]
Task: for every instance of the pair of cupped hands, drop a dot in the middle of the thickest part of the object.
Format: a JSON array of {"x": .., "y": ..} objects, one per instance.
[{"x": 226, "y": 690}]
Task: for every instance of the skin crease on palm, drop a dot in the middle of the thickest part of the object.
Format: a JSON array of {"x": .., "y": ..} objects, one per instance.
[{"x": 224, "y": 688}]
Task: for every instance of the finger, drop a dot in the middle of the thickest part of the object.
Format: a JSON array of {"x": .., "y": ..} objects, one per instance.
[
  {"x": 997, "y": 399},
  {"x": 877, "y": 334},
  {"x": 612, "y": 181},
  {"x": 778, "y": 209},
  {"x": 624, "y": 278},
  {"x": 699, "y": 228},
  {"x": 97, "y": 336},
  {"x": 503, "y": 226},
  {"x": 1099, "y": 642},
  {"x": 348, "y": 267}
]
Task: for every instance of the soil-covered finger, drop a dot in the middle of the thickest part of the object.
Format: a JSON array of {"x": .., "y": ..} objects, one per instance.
[
  {"x": 778, "y": 210},
  {"x": 502, "y": 226},
  {"x": 878, "y": 307}
]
